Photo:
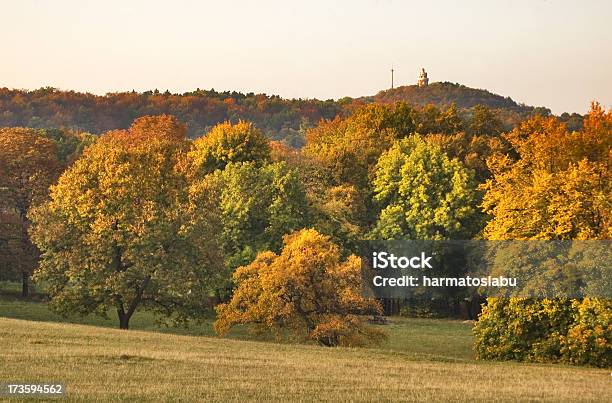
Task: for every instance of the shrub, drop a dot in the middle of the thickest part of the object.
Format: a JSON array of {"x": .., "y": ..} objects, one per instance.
[
  {"x": 306, "y": 292},
  {"x": 548, "y": 330},
  {"x": 588, "y": 340}
]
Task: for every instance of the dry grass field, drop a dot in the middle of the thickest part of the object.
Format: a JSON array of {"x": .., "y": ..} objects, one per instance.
[
  {"x": 423, "y": 360},
  {"x": 103, "y": 364}
]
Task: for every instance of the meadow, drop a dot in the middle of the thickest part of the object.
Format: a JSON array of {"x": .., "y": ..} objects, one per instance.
[{"x": 424, "y": 360}]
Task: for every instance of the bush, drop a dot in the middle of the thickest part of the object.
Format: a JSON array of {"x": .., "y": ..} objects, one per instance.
[
  {"x": 588, "y": 340},
  {"x": 307, "y": 292},
  {"x": 548, "y": 330}
]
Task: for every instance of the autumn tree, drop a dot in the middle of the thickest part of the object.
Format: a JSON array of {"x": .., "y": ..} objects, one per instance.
[
  {"x": 484, "y": 122},
  {"x": 432, "y": 120},
  {"x": 555, "y": 186},
  {"x": 28, "y": 166},
  {"x": 306, "y": 291},
  {"x": 227, "y": 143},
  {"x": 160, "y": 127},
  {"x": 349, "y": 148},
  {"x": 258, "y": 205},
  {"x": 423, "y": 194},
  {"x": 122, "y": 230},
  {"x": 472, "y": 150},
  {"x": 558, "y": 186}
]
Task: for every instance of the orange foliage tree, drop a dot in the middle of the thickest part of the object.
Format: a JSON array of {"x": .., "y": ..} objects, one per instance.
[
  {"x": 28, "y": 166},
  {"x": 306, "y": 292},
  {"x": 558, "y": 187}
]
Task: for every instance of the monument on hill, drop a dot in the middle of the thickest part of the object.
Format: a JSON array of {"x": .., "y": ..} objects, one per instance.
[{"x": 423, "y": 79}]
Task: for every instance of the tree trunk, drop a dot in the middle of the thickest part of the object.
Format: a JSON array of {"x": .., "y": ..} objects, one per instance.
[
  {"x": 124, "y": 316},
  {"x": 124, "y": 320},
  {"x": 124, "y": 323},
  {"x": 25, "y": 287}
]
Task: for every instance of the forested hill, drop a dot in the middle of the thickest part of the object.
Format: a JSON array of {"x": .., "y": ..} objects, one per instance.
[
  {"x": 445, "y": 93},
  {"x": 281, "y": 119}
]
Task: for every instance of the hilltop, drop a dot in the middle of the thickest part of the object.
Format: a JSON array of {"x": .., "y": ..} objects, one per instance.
[{"x": 445, "y": 93}]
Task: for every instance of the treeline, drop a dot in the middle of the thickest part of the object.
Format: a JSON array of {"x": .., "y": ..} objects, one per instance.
[
  {"x": 145, "y": 218},
  {"x": 199, "y": 110},
  {"x": 280, "y": 119}
]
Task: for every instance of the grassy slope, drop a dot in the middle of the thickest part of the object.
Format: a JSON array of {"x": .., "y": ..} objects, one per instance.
[
  {"x": 98, "y": 363},
  {"x": 416, "y": 336},
  {"x": 423, "y": 360}
]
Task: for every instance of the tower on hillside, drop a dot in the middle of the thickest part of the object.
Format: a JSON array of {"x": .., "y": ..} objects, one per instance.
[{"x": 423, "y": 79}]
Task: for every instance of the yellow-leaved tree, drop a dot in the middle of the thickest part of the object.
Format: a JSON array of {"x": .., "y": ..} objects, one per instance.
[
  {"x": 559, "y": 186},
  {"x": 227, "y": 143},
  {"x": 306, "y": 292}
]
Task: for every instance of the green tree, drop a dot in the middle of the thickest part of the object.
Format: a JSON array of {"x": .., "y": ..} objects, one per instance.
[
  {"x": 336, "y": 211},
  {"x": 423, "y": 194},
  {"x": 122, "y": 231},
  {"x": 70, "y": 144},
  {"x": 258, "y": 205},
  {"x": 341, "y": 213}
]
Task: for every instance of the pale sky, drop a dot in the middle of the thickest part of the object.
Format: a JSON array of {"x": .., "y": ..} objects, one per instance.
[{"x": 556, "y": 54}]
